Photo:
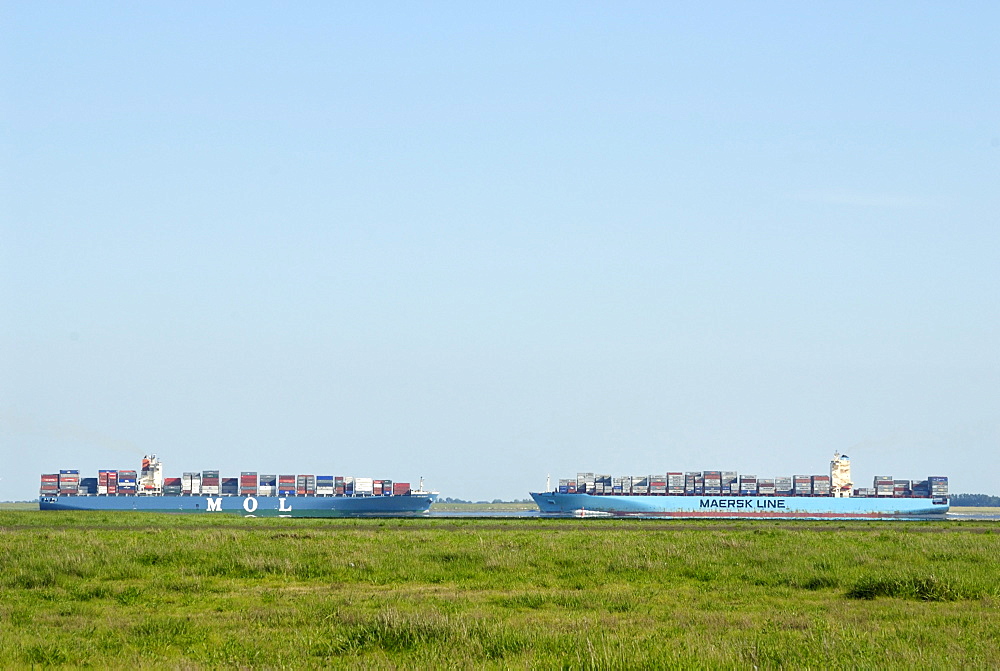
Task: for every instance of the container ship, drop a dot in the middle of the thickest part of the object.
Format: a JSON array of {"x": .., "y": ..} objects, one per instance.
[
  {"x": 249, "y": 495},
  {"x": 726, "y": 494}
]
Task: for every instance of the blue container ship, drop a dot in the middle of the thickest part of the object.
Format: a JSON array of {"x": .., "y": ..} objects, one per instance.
[
  {"x": 249, "y": 495},
  {"x": 726, "y": 494}
]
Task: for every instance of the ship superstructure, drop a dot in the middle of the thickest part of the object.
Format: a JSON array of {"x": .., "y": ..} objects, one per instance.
[{"x": 840, "y": 475}]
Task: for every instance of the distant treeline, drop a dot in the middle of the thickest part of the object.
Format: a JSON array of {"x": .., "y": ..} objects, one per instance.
[{"x": 975, "y": 500}]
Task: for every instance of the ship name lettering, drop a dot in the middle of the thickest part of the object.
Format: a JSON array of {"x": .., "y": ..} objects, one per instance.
[
  {"x": 249, "y": 504},
  {"x": 725, "y": 503},
  {"x": 213, "y": 505},
  {"x": 741, "y": 503},
  {"x": 283, "y": 507}
]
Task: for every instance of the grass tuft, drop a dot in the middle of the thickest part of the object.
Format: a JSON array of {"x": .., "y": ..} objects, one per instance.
[
  {"x": 45, "y": 654},
  {"x": 920, "y": 588},
  {"x": 393, "y": 632}
]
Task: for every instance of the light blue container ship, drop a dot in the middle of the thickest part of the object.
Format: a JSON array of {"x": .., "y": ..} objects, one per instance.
[
  {"x": 248, "y": 496},
  {"x": 723, "y": 494},
  {"x": 770, "y": 507}
]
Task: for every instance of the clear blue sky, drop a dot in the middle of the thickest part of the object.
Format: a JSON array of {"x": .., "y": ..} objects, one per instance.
[{"x": 487, "y": 242}]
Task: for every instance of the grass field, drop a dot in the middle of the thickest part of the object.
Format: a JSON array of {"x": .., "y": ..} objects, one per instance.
[{"x": 109, "y": 589}]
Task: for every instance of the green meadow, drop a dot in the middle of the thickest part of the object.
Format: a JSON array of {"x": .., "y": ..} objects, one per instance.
[{"x": 110, "y": 589}]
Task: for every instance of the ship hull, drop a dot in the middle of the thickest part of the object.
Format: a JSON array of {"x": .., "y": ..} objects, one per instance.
[
  {"x": 251, "y": 506},
  {"x": 552, "y": 504}
]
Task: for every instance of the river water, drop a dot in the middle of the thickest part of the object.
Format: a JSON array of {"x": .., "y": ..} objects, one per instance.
[
  {"x": 513, "y": 514},
  {"x": 973, "y": 516}
]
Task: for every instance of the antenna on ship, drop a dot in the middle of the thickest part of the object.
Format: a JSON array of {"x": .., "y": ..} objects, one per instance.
[{"x": 548, "y": 482}]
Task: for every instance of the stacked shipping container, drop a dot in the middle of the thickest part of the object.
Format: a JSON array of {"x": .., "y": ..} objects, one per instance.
[
  {"x": 107, "y": 482},
  {"x": 172, "y": 486},
  {"x": 935, "y": 486},
  {"x": 210, "y": 483},
  {"x": 248, "y": 483},
  {"x": 729, "y": 483},
  {"x": 114, "y": 483},
  {"x": 126, "y": 482},
  {"x": 50, "y": 484},
  {"x": 69, "y": 482}
]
